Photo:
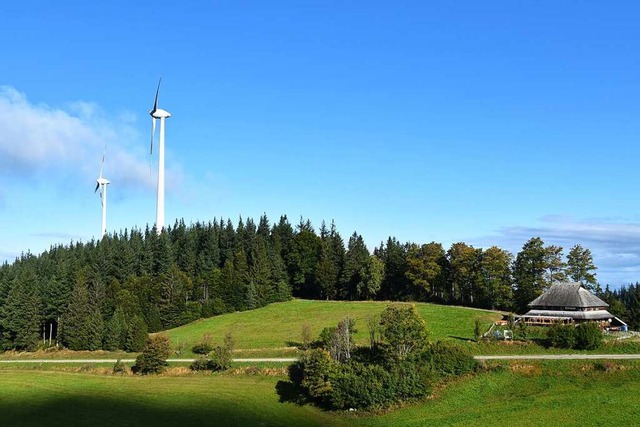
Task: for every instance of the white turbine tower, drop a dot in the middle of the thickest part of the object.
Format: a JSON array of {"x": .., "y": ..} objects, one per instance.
[
  {"x": 101, "y": 184},
  {"x": 159, "y": 113}
]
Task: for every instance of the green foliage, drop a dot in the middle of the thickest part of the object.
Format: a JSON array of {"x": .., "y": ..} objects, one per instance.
[
  {"x": 204, "y": 346},
  {"x": 202, "y": 363},
  {"x": 375, "y": 378},
  {"x": 448, "y": 359},
  {"x": 426, "y": 269},
  {"x": 21, "y": 315},
  {"x": 361, "y": 386},
  {"x": 562, "y": 336},
  {"x": 312, "y": 372},
  {"x": 580, "y": 267},
  {"x": 523, "y": 329},
  {"x": 404, "y": 330},
  {"x": 201, "y": 348},
  {"x": 137, "y": 334},
  {"x": 115, "y": 331},
  {"x": 218, "y": 358},
  {"x": 477, "y": 333},
  {"x": 119, "y": 367},
  {"x": 528, "y": 272},
  {"x": 588, "y": 336},
  {"x": 306, "y": 336},
  {"x": 153, "y": 359},
  {"x": 82, "y": 325}
]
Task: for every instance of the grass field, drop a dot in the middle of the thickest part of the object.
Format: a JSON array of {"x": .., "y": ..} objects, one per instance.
[
  {"x": 279, "y": 325},
  {"x": 524, "y": 394}
]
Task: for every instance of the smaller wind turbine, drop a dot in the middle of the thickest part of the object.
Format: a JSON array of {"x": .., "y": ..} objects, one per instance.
[
  {"x": 159, "y": 113},
  {"x": 101, "y": 184}
]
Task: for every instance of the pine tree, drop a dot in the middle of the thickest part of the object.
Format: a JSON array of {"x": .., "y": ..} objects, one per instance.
[
  {"x": 76, "y": 333},
  {"x": 395, "y": 284},
  {"x": 136, "y": 335},
  {"x": 95, "y": 329},
  {"x": 21, "y": 314},
  {"x": 529, "y": 272},
  {"x": 580, "y": 267},
  {"x": 115, "y": 331}
]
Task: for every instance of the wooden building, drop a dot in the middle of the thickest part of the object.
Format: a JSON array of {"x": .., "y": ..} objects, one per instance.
[{"x": 569, "y": 302}]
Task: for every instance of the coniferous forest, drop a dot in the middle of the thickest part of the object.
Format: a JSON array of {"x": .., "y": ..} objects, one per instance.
[{"x": 110, "y": 294}]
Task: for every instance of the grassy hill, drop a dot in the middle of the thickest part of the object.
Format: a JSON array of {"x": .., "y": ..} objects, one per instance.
[{"x": 279, "y": 325}]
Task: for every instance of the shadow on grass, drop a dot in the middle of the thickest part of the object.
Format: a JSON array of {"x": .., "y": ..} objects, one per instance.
[
  {"x": 460, "y": 338},
  {"x": 115, "y": 412},
  {"x": 289, "y": 392}
]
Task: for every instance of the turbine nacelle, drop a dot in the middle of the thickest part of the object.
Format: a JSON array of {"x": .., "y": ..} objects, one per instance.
[
  {"x": 102, "y": 181},
  {"x": 159, "y": 113}
]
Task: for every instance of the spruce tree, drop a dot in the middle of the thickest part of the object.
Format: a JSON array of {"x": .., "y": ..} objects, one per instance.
[
  {"x": 21, "y": 314},
  {"x": 75, "y": 320},
  {"x": 115, "y": 331},
  {"x": 137, "y": 334}
]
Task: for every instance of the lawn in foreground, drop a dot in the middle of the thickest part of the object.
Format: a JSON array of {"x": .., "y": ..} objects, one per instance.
[
  {"x": 39, "y": 398},
  {"x": 280, "y": 324},
  {"x": 550, "y": 393},
  {"x": 557, "y": 393}
]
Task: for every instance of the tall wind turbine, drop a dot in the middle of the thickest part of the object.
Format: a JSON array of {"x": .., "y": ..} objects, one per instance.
[
  {"x": 159, "y": 113},
  {"x": 101, "y": 184}
]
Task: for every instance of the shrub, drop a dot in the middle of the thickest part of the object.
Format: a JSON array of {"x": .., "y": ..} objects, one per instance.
[
  {"x": 411, "y": 381},
  {"x": 404, "y": 330},
  {"x": 448, "y": 359},
  {"x": 561, "y": 336},
  {"x": 153, "y": 358},
  {"x": 202, "y": 363},
  {"x": 220, "y": 358},
  {"x": 312, "y": 374},
  {"x": 306, "y": 336},
  {"x": 119, "y": 367},
  {"x": 356, "y": 385},
  {"x": 202, "y": 348},
  {"x": 523, "y": 329},
  {"x": 588, "y": 336}
]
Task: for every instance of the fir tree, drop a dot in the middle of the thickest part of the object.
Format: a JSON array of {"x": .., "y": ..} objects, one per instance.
[{"x": 21, "y": 314}]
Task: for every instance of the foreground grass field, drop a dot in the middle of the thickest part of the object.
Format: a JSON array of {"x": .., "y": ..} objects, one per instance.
[
  {"x": 535, "y": 394},
  {"x": 279, "y": 325}
]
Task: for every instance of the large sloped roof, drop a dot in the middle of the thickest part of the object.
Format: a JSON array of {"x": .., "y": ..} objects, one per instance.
[{"x": 567, "y": 294}]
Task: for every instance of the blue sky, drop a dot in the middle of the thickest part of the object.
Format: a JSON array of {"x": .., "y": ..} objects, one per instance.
[{"x": 483, "y": 122}]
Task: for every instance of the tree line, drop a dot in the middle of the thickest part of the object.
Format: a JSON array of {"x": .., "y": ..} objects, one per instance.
[{"x": 109, "y": 293}]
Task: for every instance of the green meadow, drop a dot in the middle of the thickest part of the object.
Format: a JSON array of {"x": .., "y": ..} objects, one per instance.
[
  {"x": 269, "y": 330},
  {"x": 560, "y": 393}
]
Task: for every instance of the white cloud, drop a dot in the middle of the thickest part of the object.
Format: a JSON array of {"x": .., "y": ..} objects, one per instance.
[
  {"x": 39, "y": 139},
  {"x": 614, "y": 243}
]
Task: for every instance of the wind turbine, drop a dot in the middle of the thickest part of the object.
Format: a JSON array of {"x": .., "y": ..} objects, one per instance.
[
  {"x": 101, "y": 184},
  {"x": 159, "y": 113}
]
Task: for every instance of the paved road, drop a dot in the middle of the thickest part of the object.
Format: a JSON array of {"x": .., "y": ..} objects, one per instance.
[
  {"x": 255, "y": 360},
  {"x": 559, "y": 357},
  {"x": 293, "y": 359}
]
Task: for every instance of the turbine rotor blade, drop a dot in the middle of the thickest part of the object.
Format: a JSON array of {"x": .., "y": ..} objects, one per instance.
[
  {"x": 97, "y": 187},
  {"x": 155, "y": 103},
  {"x": 101, "y": 166},
  {"x": 153, "y": 134}
]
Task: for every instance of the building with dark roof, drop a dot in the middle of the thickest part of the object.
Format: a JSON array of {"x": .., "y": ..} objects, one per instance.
[{"x": 569, "y": 302}]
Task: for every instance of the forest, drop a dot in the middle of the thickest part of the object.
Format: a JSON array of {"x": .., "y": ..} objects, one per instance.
[{"x": 109, "y": 294}]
